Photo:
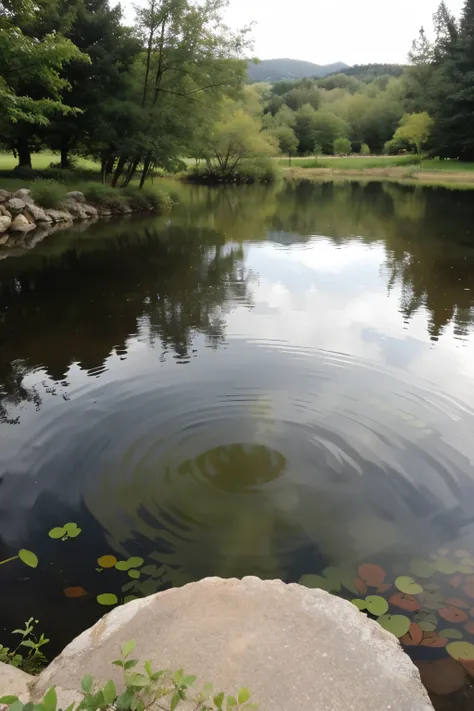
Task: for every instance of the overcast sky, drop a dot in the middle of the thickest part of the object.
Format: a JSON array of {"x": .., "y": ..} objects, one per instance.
[{"x": 333, "y": 30}]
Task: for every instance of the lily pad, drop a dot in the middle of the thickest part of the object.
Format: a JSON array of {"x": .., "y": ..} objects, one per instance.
[
  {"x": 376, "y": 605},
  {"x": 57, "y": 532},
  {"x": 443, "y": 565},
  {"x": 135, "y": 574},
  {"x": 396, "y": 624},
  {"x": 407, "y": 585},
  {"x": 453, "y": 614},
  {"x": 469, "y": 590},
  {"x": 413, "y": 637},
  {"x": 107, "y": 599},
  {"x": 360, "y": 604},
  {"x": 461, "y": 650},
  {"x": 427, "y": 626},
  {"x": 72, "y": 529},
  {"x": 450, "y": 633},
  {"x": 422, "y": 568},
  {"x": 372, "y": 575},
  {"x": 28, "y": 558},
  {"x": 107, "y": 561},
  {"x": 405, "y": 602},
  {"x": 360, "y": 586},
  {"x": 135, "y": 561}
]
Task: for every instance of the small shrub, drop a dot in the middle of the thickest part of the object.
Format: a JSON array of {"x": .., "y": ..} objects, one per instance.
[
  {"x": 342, "y": 146},
  {"x": 365, "y": 150},
  {"x": 146, "y": 689},
  {"x": 105, "y": 196},
  {"x": 147, "y": 199},
  {"x": 48, "y": 193},
  {"x": 261, "y": 170}
]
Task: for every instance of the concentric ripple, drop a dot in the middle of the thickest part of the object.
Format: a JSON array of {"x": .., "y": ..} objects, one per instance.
[{"x": 335, "y": 462}]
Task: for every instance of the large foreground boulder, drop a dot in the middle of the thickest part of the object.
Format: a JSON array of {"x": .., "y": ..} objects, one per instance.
[{"x": 296, "y": 649}]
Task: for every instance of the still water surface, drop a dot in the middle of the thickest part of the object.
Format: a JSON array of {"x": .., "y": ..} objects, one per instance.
[{"x": 270, "y": 382}]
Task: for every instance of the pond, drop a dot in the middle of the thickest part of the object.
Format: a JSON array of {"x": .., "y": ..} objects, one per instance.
[{"x": 271, "y": 381}]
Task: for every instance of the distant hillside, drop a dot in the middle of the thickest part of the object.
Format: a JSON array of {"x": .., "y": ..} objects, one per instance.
[
  {"x": 368, "y": 72},
  {"x": 275, "y": 69}
]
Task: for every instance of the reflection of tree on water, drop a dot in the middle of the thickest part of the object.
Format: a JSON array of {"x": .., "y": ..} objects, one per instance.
[
  {"x": 81, "y": 305},
  {"x": 13, "y": 391}
]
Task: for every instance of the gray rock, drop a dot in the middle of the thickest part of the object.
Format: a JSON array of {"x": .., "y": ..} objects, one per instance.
[
  {"x": 76, "y": 195},
  {"x": 76, "y": 209},
  {"x": 5, "y": 223},
  {"x": 21, "y": 224},
  {"x": 24, "y": 194},
  {"x": 104, "y": 211},
  {"x": 90, "y": 210},
  {"x": 59, "y": 215},
  {"x": 4, "y": 211},
  {"x": 15, "y": 205},
  {"x": 295, "y": 649},
  {"x": 14, "y": 682},
  {"x": 33, "y": 213},
  {"x": 4, "y": 240},
  {"x": 4, "y": 195}
]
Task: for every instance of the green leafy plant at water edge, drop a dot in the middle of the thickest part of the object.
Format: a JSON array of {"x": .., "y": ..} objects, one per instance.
[
  {"x": 34, "y": 660},
  {"x": 162, "y": 689},
  {"x": 49, "y": 193}
]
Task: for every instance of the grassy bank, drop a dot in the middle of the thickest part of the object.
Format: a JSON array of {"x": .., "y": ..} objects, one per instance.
[{"x": 402, "y": 169}]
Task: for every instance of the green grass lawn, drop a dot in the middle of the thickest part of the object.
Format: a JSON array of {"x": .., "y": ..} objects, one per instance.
[
  {"x": 376, "y": 162},
  {"x": 41, "y": 161}
]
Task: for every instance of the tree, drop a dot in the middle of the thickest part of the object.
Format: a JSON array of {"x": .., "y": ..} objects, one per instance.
[
  {"x": 365, "y": 150},
  {"x": 100, "y": 89},
  {"x": 236, "y": 137},
  {"x": 287, "y": 141},
  {"x": 33, "y": 53},
  {"x": 342, "y": 146},
  {"x": 454, "y": 111},
  {"x": 190, "y": 58},
  {"x": 415, "y": 129}
]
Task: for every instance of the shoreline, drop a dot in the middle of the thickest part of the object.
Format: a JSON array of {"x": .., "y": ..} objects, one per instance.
[{"x": 430, "y": 178}]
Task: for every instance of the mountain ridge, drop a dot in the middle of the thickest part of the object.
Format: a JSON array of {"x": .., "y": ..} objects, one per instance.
[{"x": 285, "y": 68}]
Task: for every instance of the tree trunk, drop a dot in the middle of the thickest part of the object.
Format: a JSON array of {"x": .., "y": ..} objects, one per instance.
[
  {"x": 146, "y": 168},
  {"x": 119, "y": 170},
  {"x": 23, "y": 153},
  {"x": 64, "y": 155},
  {"x": 131, "y": 172}
]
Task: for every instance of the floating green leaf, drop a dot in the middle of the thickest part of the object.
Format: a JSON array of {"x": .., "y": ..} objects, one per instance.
[
  {"x": 72, "y": 529},
  {"x": 461, "y": 650},
  {"x": 107, "y": 599},
  {"x": 450, "y": 633},
  {"x": 443, "y": 565},
  {"x": 376, "y": 605},
  {"x": 122, "y": 565},
  {"x": 422, "y": 568},
  {"x": 135, "y": 562},
  {"x": 28, "y": 558},
  {"x": 57, "y": 532},
  {"x": 315, "y": 581},
  {"x": 432, "y": 587},
  {"x": 135, "y": 574},
  {"x": 428, "y": 626},
  {"x": 407, "y": 585},
  {"x": 360, "y": 604},
  {"x": 129, "y": 598},
  {"x": 396, "y": 624}
]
